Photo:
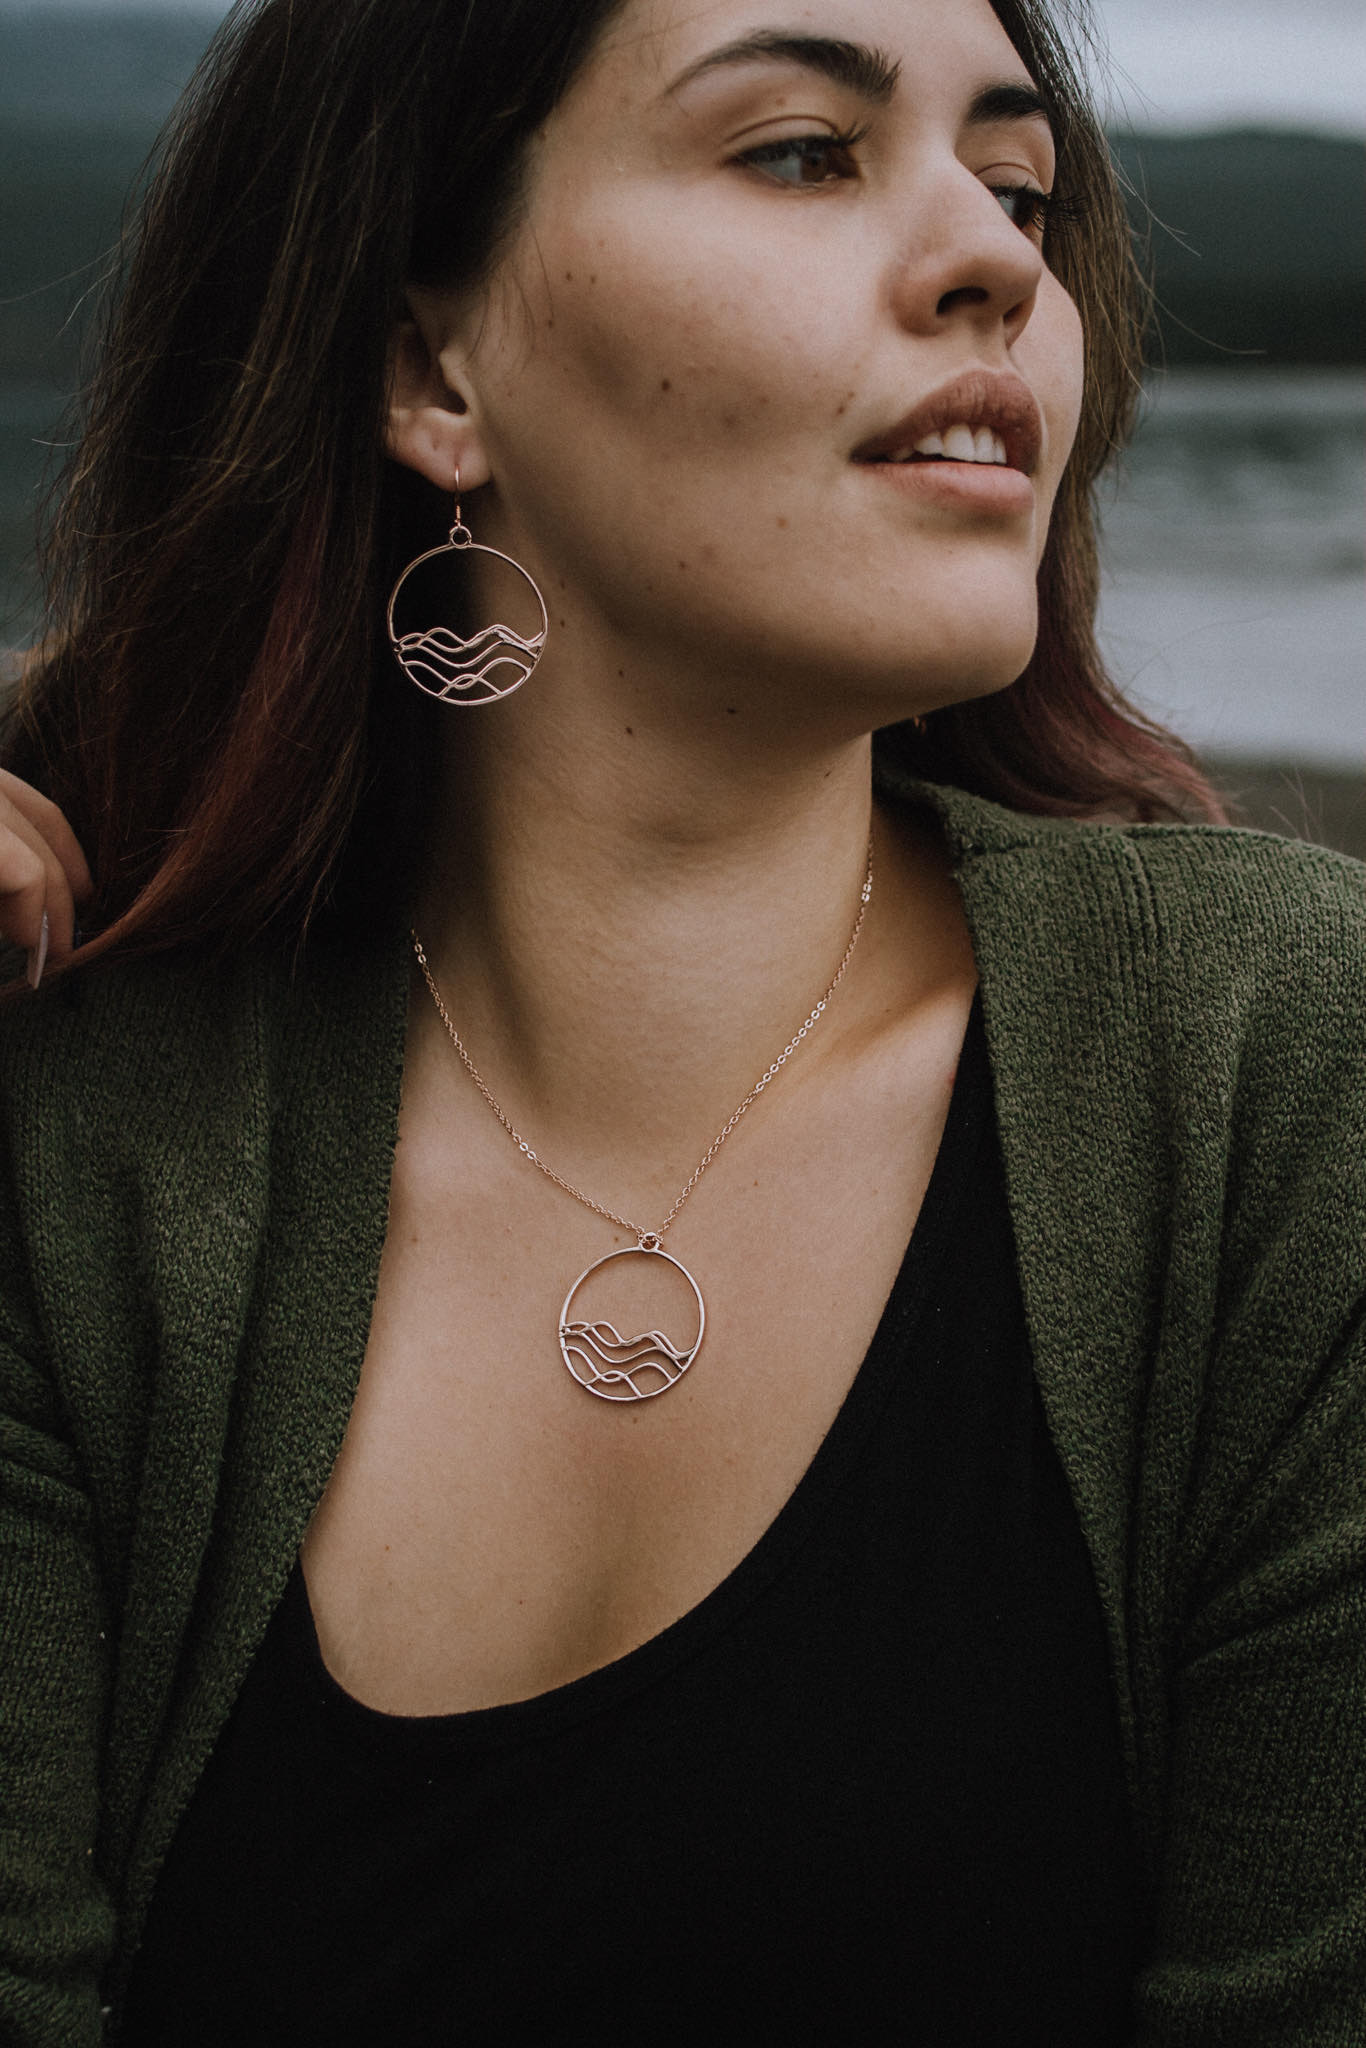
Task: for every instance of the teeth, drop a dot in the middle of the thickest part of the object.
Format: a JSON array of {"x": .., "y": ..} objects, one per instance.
[{"x": 958, "y": 444}]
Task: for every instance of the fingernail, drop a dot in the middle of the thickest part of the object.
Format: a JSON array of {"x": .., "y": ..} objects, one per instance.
[{"x": 37, "y": 959}]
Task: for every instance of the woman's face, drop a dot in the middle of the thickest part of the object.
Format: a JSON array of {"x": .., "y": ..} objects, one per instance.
[{"x": 770, "y": 250}]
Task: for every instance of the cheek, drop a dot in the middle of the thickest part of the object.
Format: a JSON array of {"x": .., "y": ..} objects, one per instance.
[
  {"x": 1059, "y": 375},
  {"x": 1051, "y": 355},
  {"x": 631, "y": 330}
]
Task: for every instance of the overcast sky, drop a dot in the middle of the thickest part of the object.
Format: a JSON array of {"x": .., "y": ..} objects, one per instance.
[
  {"x": 1183, "y": 62},
  {"x": 1177, "y": 62}
]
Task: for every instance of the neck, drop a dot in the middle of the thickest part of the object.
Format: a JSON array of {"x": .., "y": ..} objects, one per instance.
[{"x": 629, "y": 914}]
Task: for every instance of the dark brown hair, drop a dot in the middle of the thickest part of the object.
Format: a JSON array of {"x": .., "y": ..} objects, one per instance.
[{"x": 214, "y": 705}]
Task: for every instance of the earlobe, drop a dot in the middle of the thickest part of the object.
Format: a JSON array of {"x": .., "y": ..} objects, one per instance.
[{"x": 430, "y": 426}]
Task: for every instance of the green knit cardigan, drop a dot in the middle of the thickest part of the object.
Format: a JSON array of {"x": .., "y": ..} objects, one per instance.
[{"x": 191, "y": 1219}]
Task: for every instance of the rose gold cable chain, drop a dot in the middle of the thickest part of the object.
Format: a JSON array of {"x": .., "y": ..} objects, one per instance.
[{"x": 610, "y": 1215}]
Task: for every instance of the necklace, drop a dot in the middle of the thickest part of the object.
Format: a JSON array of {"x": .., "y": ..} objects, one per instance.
[{"x": 605, "y": 1363}]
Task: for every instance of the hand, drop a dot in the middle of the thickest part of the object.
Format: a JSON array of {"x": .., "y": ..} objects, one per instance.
[{"x": 43, "y": 875}]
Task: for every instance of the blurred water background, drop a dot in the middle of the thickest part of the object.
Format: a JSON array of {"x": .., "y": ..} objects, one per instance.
[{"x": 1234, "y": 601}]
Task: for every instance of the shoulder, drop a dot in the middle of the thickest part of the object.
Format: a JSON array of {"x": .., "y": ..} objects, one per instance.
[
  {"x": 1188, "y": 978},
  {"x": 1259, "y": 964},
  {"x": 177, "y": 1030},
  {"x": 1234, "y": 888},
  {"x": 1252, "y": 927},
  {"x": 1259, "y": 943},
  {"x": 1193, "y": 907},
  {"x": 131, "y": 1099},
  {"x": 132, "y": 1084},
  {"x": 154, "y": 1110},
  {"x": 108, "y": 1029}
]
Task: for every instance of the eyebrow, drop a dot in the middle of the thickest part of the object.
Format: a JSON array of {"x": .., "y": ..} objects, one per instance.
[
  {"x": 864, "y": 71},
  {"x": 1013, "y": 102},
  {"x": 867, "y": 72}
]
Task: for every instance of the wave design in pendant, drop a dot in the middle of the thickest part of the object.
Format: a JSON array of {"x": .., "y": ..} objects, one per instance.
[
  {"x": 612, "y": 1361},
  {"x": 617, "y": 1368},
  {"x": 445, "y": 666}
]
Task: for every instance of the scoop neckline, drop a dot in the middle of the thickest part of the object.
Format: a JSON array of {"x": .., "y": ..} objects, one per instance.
[{"x": 510, "y": 1723}]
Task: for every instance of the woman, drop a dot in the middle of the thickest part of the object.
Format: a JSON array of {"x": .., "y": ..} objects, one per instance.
[{"x": 952, "y": 1643}]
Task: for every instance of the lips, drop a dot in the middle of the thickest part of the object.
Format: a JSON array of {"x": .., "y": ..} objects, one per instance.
[{"x": 990, "y": 401}]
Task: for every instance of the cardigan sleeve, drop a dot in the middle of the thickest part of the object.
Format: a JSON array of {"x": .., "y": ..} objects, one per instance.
[
  {"x": 1261, "y": 1922},
  {"x": 194, "y": 1170},
  {"x": 56, "y": 1921},
  {"x": 1261, "y": 1935}
]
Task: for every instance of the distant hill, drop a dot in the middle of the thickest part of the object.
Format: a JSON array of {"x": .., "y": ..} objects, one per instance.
[{"x": 1256, "y": 238}]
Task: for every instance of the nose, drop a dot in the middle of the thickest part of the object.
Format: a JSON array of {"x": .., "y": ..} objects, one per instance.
[{"x": 961, "y": 258}]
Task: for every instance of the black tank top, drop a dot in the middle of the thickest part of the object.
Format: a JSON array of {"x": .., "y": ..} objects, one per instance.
[{"x": 869, "y": 1789}]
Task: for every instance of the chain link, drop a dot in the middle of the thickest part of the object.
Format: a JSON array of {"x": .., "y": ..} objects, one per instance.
[{"x": 769, "y": 1074}]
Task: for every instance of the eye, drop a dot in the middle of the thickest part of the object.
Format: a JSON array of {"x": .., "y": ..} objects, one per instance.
[
  {"x": 807, "y": 160},
  {"x": 1026, "y": 205}
]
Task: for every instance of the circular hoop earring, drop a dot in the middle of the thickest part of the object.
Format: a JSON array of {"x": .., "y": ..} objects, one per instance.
[{"x": 460, "y": 671}]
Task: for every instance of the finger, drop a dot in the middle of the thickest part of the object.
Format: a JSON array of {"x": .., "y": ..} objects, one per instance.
[
  {"x": 51, "y": 825},
  {"x": 34, "y": 890},
  {"x": 37, "y": 959}
]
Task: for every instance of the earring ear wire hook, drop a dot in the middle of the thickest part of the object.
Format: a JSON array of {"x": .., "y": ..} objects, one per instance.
[{"x": 466, "y": 670}]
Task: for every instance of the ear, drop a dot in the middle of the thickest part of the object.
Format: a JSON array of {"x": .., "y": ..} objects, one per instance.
[{"x": 431, "y": 427}]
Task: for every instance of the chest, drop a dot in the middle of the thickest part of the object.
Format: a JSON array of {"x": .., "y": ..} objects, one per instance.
[
  {"x": 491, "y": 1529},
  {"x": 889, "y": 1729}
]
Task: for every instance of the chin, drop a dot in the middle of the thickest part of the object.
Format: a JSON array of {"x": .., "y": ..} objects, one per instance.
[
  {"x": 965, "y": 618},
  {"x": 979, "y": 664},
  {"x": 963, "y": 689}
]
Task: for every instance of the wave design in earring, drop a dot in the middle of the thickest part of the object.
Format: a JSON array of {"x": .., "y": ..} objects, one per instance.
[{"x": 487, "y": 666}]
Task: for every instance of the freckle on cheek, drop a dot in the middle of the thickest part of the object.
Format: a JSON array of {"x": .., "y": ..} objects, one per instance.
[
  {"x": 665, "y": 385},
  {"x": 782, "y": 522}
]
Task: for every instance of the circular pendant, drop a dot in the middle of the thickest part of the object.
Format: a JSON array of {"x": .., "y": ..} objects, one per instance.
[
  {"x": 631, "y": 1367},
  {"x": 482, "y": 669}
]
